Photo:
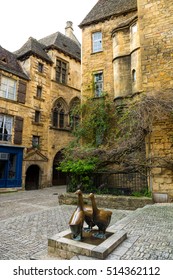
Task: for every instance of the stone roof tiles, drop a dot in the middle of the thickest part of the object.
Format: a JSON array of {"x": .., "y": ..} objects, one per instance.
[
  {"x": 62, "y": 43},
  {"x": 32, "y": 46},
  {"x": 104, "y": 9},
  {"x": 57, "y": 41},
  {"x": 9, "y": 63}
]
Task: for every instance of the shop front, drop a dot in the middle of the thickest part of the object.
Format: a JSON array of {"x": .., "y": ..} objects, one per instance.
[{"x": 10, "y": 166}]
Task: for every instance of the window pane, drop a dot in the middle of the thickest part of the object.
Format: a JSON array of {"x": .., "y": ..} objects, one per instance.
[
  {"x": 98, "y": 81},
  {"x": 40, "y": 67},
  {"x": 97, "y": 41},
  {"x": 61, "y": 71},
  {"x": 8, "y": 88},
  {"x": 39, "y": 91},
  {"x": 134, "y": 28},
  {"x": 35, "y": 141},
  {"x": 61, "y": 119},
  {"x": 55, "y": 118},
  {"x": 6, "y": 123},
  {"x": 37, "y": 116},
  {"x": 12, "y": 166}
]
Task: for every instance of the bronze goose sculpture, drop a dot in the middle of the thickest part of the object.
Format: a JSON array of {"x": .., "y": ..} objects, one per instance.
[
  {"x": 77, "y": 220},
  {"x": 88, "y": 211},
  {"x": 101, "y": 218}
]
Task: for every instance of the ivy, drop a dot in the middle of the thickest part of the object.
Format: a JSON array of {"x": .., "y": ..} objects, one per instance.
[{"x": 78, "y": 166}]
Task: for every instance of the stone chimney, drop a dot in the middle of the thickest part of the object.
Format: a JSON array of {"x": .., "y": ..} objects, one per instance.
[
  {"x": 69, "y": 32},
  {"x": 69, "y": 29}
]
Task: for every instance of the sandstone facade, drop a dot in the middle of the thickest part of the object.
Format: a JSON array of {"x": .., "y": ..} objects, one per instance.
[
  {"x": 51, "y": 71},
  {"x": 155, "y": 28},
  {"x": 136, "y": 57}
]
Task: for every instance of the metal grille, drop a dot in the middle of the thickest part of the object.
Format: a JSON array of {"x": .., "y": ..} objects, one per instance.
[{"x": 121, "y": 183}]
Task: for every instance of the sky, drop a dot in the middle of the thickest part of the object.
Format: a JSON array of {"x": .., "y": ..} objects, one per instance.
[{"x": 21, "y": 19}]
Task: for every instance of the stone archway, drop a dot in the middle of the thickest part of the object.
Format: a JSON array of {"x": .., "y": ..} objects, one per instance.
[
  {"x": 32, "y": 177},
  {"x": 59, "y": 178}
]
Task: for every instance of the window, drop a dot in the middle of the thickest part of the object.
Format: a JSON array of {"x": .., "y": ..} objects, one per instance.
[
  {"x": 35, "y": 141},
  {"x": 134, "y": 28},
  {"x": 39, "y": 91},
  {"x": 37, "y": 116},
  {"x": 97, "y": 41},
  {"x": 98, "y": 84},
  {"x": 12, "y": 166},
  {"x": 59, "y": 116},
  {"x": 61, "y": 71},
  {"x": 40, "y": 67},
  {"x": 134, "y": 75},
  {"x": 74, "y": 114},
  {"x": 6, "y": 123},
  {"x": 8, "y": 88}
]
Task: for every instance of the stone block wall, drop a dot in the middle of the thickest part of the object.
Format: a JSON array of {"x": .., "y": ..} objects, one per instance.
[
  {"x": 160, "y": 148},
  {"x": 155, "y": 19},
  {"x": 101, "y": 61},
  {"x": 108, "y": 201}
]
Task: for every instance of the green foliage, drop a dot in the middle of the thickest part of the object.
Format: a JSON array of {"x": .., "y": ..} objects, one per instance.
[
  {"x": 145, "y": 192},
  {"x": 78, "y": 166},
  {"x": 79, "y": 171},
  {"x": 96, "y": 115}
]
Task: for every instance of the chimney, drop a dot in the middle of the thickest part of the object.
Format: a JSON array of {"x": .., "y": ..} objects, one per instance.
[
  {"x": 69, "y": 29},
  {"x": 69, "y": 32}
]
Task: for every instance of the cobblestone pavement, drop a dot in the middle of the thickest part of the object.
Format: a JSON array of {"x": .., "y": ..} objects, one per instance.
[
  {"x": 28, "y": 218},
  {"x": 150, "y": 234}
]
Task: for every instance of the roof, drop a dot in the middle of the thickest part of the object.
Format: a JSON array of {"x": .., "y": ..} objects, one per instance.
[
  {"x": 104, "y": 9},
  {"x": 9, "y": 63},
  {"x": 56, "y": 41},
  {"x": 126, "y": 23},
  {"x": 62, "y": 43},
  {"x": 32, "y": 46}
]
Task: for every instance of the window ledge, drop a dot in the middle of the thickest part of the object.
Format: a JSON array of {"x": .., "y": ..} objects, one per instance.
[
  {"x": 97, "y": 52},
  {"x": 68, "y": 129},
  {"x": 39, "y": 98},
  {"x": 36, "y": 123}
]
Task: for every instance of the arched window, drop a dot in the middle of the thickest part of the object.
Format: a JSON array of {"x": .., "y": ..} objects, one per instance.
[
  {"x": 59, "y": 114},
  {"x": 61, "y": 118},
  {"x": 55, "y": 117},
  {"x": 74, "y": 114}
]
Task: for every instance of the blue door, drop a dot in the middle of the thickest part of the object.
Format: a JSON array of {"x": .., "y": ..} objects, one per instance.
[{"x": 11, "y": 167}]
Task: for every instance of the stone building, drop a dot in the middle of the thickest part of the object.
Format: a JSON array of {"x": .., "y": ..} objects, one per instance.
[
  {"x": 127, "y": 50},
  {"x": 39, "y": 86}
]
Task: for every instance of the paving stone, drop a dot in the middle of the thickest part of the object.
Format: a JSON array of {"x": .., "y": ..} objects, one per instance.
[{"x": 28, "y": 218}]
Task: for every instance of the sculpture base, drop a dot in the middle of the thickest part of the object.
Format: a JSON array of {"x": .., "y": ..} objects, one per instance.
[{"x": 63, "y": 246}]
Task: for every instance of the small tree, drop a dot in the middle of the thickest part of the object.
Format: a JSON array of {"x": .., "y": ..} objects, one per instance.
[{"x": 112, "y": 134}]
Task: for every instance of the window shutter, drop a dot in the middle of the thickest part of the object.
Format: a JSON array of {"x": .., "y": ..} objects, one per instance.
[
  {"x": 18, "y": 130},
  {"x": 21, "y": 91}
]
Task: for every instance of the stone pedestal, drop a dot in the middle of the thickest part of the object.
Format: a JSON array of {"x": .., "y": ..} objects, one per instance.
[{"x": 63, "y": 246}]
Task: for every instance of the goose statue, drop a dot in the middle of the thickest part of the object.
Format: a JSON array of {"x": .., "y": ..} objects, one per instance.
[
  {"x": 101, "y": 218},
  {"x": 77, "y": 220},
  {"x": 88, "y": 211}
]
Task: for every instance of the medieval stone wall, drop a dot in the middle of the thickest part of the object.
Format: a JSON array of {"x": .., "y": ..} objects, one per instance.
[
  {"x": 101, "y": 61},
  {"x": 155, "y": 20},
  {"x": 156, "y": 39},
  {"x": 51, "y": 140}
]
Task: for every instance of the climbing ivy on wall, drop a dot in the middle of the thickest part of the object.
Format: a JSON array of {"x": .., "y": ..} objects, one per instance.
[{"x": 112, "y": 134}]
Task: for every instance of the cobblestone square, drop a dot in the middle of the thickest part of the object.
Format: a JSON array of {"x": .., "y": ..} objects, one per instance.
[{"x": 28, "y": 218}]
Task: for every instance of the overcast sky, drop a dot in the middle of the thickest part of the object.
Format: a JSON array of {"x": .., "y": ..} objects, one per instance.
[{"x": 21, "y": 19}]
